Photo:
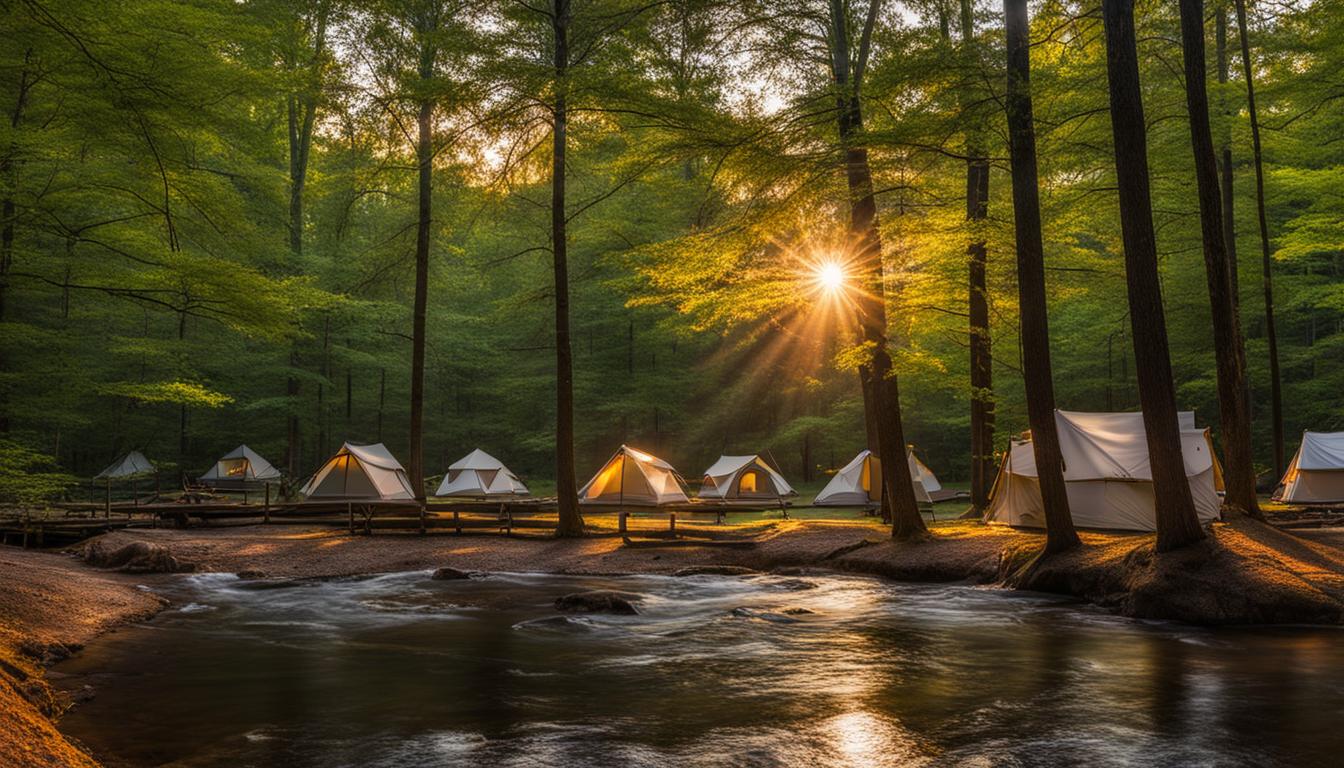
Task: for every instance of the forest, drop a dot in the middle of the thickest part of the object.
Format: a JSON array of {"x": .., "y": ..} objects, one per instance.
[{"x": 543, "y": 227}]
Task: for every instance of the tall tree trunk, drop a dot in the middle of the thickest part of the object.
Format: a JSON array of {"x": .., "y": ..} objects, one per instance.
[
  {"x": 897, "y": 484},
  {"x": 566, "y": 488},
  {"x": 1059, "y": 531},
  {"x": 1230, "y": 350},
  {"x": 292, "y": 434},
  {"x": 1266, "y": 261},
  {"x": 1177, "y": 523},
  {"x": 1225, "y": 153},
  {"x": 424, "y": 155},
  {"x": 982, "y": 369},
  {"x": 8, "y": 213},
  {"x": 182, "y": 410},
  {"x": 301, "y": 113}
]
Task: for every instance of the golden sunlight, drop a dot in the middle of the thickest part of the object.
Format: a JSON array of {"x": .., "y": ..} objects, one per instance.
[{"x": 830, "y": 275}]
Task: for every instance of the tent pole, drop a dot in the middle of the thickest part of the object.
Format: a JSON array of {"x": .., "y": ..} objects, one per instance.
[{"x": 107, "y": 509}]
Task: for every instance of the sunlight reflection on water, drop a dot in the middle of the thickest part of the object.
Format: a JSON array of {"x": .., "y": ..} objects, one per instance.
[{"x": 821, "y": 671}]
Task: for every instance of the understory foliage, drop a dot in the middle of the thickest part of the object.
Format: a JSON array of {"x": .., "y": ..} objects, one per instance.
[{"x": 150, "y": 298}]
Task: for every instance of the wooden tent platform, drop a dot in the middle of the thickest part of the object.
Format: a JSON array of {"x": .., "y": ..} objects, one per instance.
[{"x": 69, "y": 523}]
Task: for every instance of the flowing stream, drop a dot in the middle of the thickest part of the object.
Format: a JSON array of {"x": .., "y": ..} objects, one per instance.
[{"x": 814, "y": 671}]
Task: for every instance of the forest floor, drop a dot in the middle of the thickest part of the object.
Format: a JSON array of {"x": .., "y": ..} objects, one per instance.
[{"x": 1245, "y": 573}]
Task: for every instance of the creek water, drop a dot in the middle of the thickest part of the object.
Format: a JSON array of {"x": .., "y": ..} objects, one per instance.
[{"x": 814, "y": 670}]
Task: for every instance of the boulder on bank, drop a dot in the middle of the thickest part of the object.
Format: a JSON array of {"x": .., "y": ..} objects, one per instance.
[
  {"x": 450, "y": 574},
  {"x": 599, "y": 601},
  {"x": 714, "y": 570},
  {"x": 135, "y": 557}
]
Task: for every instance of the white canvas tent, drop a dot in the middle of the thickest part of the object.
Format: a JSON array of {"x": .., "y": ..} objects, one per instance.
[
  {"x": 241, "y": 466},
  {"x": 859, "y": 483},
  {"x": 1316, "y": 473},
  {"x": 924, "y": 475},
  {"x": 480, "y": 474},
  {"x": 743, "y": 478},
  {"x": 360, "y": 473},
  {"x": 1107, "y": 474},
  {"x": 634, "y": 478},
  {"x": 133, "y": 464}
]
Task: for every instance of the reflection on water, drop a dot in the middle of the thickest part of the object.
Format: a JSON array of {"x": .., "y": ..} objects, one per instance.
[{"x": 813, "y": 671}]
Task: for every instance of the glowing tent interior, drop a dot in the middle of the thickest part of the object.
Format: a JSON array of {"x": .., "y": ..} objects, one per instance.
[
  {"x": 634, "y": 478},
  {"x": 241, "y": 466},
  {"x": 360, "y": 473},
  {"x": 744, "y": 478},
  {"x": 859, "y": 483}
]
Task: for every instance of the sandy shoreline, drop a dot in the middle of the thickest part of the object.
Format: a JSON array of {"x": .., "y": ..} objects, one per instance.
[{"x": 1247, "y": 573}]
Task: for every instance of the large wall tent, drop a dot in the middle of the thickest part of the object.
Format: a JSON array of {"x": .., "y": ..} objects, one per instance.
[
  {"x": 634, "y": 478},
  {"x": 360, "y": 473},
  {"x": 743, "y": 478},
  {"x": 240, "y": 467},
  {"x": 859, "y": 483},
  {"x": 1316, "y": 473},
  {"x": 480, "y": 474},
  {"x": 1107, "y": 474}
]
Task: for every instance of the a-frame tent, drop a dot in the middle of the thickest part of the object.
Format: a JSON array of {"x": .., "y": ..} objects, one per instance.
[
  {"x": 133, "y": 464},
  {"x": 479, "y": 474},
  {"x": 360, "y": 473},
  {"x": 925, "y": 476},
  {"x": 634, "y": 478},
  {"x": 744, "y": 478},
  {"x": 859, "y": 483},
  {"x": 1316, "y": 473},
  {"x": 239, "y": 468},
  {"x": 1107, "y": 474}
]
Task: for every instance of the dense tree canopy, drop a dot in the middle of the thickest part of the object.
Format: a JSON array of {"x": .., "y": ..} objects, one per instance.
[{"x": 159, "y": 288}]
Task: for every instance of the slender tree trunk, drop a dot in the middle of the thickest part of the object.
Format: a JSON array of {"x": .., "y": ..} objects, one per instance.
[
  {"x": 182, "y": 410},
  {"x": 301, "y": 112},
  {"x": 1266, "y": 261},
  {"x": 382, "y": 399},
  {"x": 292, "y": 434},
  {"x": 424, "y": 155},
  {"x": 1177, "y": 523},
  {"x": 1059, "y": 531},
  {"x": 869, "y": 415},
  {"x": 1225, "y": 153},
  {"x": 897, "y": 484},
  {"x": 566, "y": 488},
  {"x": 8, "y": 213},
  {"x": 982, "y": 370},
  {"x": 1230, "y": 350},
  {"x": 870, "y": 429}
]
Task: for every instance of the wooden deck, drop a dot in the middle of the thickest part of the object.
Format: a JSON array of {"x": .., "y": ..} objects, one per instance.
[{"x": 70, "y": 523}]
